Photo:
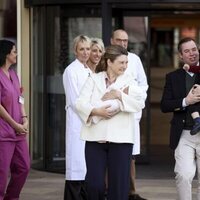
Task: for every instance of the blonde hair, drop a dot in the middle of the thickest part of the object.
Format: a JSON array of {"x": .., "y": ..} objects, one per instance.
[
  {"x": 80, "y": 38},
  {"x": 99, "y": 43}
]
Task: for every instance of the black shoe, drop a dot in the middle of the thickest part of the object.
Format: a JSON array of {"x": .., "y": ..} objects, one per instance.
[
  {"x": 135, "y": 197},
  {"x": 195, "y": 129}
]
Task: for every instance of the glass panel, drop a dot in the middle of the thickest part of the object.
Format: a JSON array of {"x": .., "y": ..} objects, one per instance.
[
  {"x": 162, "y": 47},
  {"x": 53, "y": 34},
  {"x": 138, "y": 44},
  {"x": 61, "y": 32},
  {"x": 8, "y": 19},
  {"x": 80, "y": 25},
  {"x": 137, "y": 36},
  {"x": 55, "y": 100},
  {"x": 37, "y": 87},
  {"x": 166, "y": 31}
]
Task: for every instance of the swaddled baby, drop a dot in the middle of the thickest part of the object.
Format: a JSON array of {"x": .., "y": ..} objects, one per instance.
[{"x": 114, "y": 104}]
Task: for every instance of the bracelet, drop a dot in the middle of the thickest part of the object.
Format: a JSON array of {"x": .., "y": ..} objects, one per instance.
[{"x": 25, "y": 116}]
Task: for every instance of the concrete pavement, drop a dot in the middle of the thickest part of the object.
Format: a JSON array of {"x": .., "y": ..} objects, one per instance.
[
  {"x": 43, "y": 186},
  {"x": 154, "y": 181},
  {"x": 50, "y": 186}
]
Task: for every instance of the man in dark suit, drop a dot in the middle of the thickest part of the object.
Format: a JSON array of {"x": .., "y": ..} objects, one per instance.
[{"x": 177, "y": 97}]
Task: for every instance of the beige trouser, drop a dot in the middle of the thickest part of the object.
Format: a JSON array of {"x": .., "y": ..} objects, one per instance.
[{"x": 187, "y": 156}]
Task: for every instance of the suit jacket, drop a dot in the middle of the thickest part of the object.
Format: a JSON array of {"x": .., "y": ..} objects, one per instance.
[
  {"x": 118, "y": 129},
  {"x": 173, "y": 95}
]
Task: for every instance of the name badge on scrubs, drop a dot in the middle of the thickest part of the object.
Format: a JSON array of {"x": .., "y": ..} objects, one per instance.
[{"x": 21, "y": 99}]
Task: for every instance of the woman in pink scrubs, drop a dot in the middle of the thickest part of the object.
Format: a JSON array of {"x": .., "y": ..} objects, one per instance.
[{"x": 14, "y": 154}]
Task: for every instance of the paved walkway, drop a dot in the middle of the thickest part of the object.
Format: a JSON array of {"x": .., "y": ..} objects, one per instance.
[
  {"x": 155, "y": 181},
  {"x": 50, "y": 186},
  {"x": 43, "y": 186}
]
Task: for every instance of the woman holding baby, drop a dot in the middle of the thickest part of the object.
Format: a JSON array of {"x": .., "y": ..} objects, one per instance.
[{"x": 109, "y": 140}]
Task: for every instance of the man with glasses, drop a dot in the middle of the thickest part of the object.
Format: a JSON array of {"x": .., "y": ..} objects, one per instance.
[{"x": 135, "y": 67}]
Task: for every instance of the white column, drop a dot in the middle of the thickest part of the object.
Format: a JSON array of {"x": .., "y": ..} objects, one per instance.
[
  {"x": 23, "y": 48},
  {"x": 19, "y": 37}
]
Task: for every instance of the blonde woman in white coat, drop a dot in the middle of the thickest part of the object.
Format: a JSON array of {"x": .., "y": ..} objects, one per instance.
[
  {"x": 97, "y": 50},
  {"x": 74, "y": 78},
  {"x": 109, "y": 142}
]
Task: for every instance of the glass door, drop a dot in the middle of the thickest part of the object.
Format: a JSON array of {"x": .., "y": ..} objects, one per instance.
[
  {"x": 54, "y": 29},
  {"x": 137, "y": 28},
  {"x": 66, "y": 24}
]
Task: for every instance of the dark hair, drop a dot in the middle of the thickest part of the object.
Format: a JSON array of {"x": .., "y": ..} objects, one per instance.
[
  {"x": 111, "y": 53},
  {"x": 5, "y": 48},
  {"x": 182, "y": 41}
]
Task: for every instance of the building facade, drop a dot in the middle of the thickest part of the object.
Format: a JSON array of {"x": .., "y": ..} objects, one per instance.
[{"x": 45, "y": 31}]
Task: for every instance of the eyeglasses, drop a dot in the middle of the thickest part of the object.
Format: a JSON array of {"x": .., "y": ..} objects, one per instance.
[{"x": 122, "y": 40}]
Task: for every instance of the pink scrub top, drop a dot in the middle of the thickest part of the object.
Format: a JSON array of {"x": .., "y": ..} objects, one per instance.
[{"x": 9, "y": 99}]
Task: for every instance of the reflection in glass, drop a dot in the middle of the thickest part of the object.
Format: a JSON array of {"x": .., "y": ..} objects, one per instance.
[
  {"x": 8, "y": 19},
  {"x": 37, "y": 89},
  {"x": 138, "y": 44},
  {"x": 52, "y": 52}
]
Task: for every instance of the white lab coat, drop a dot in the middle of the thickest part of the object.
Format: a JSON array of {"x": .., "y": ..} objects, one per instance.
[
  {"x": 74, "y": 78},
  {"x": 135, "y": 67}
]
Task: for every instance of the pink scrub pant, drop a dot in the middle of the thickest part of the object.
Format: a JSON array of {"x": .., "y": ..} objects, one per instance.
[{"x": 14, "y": 158}]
